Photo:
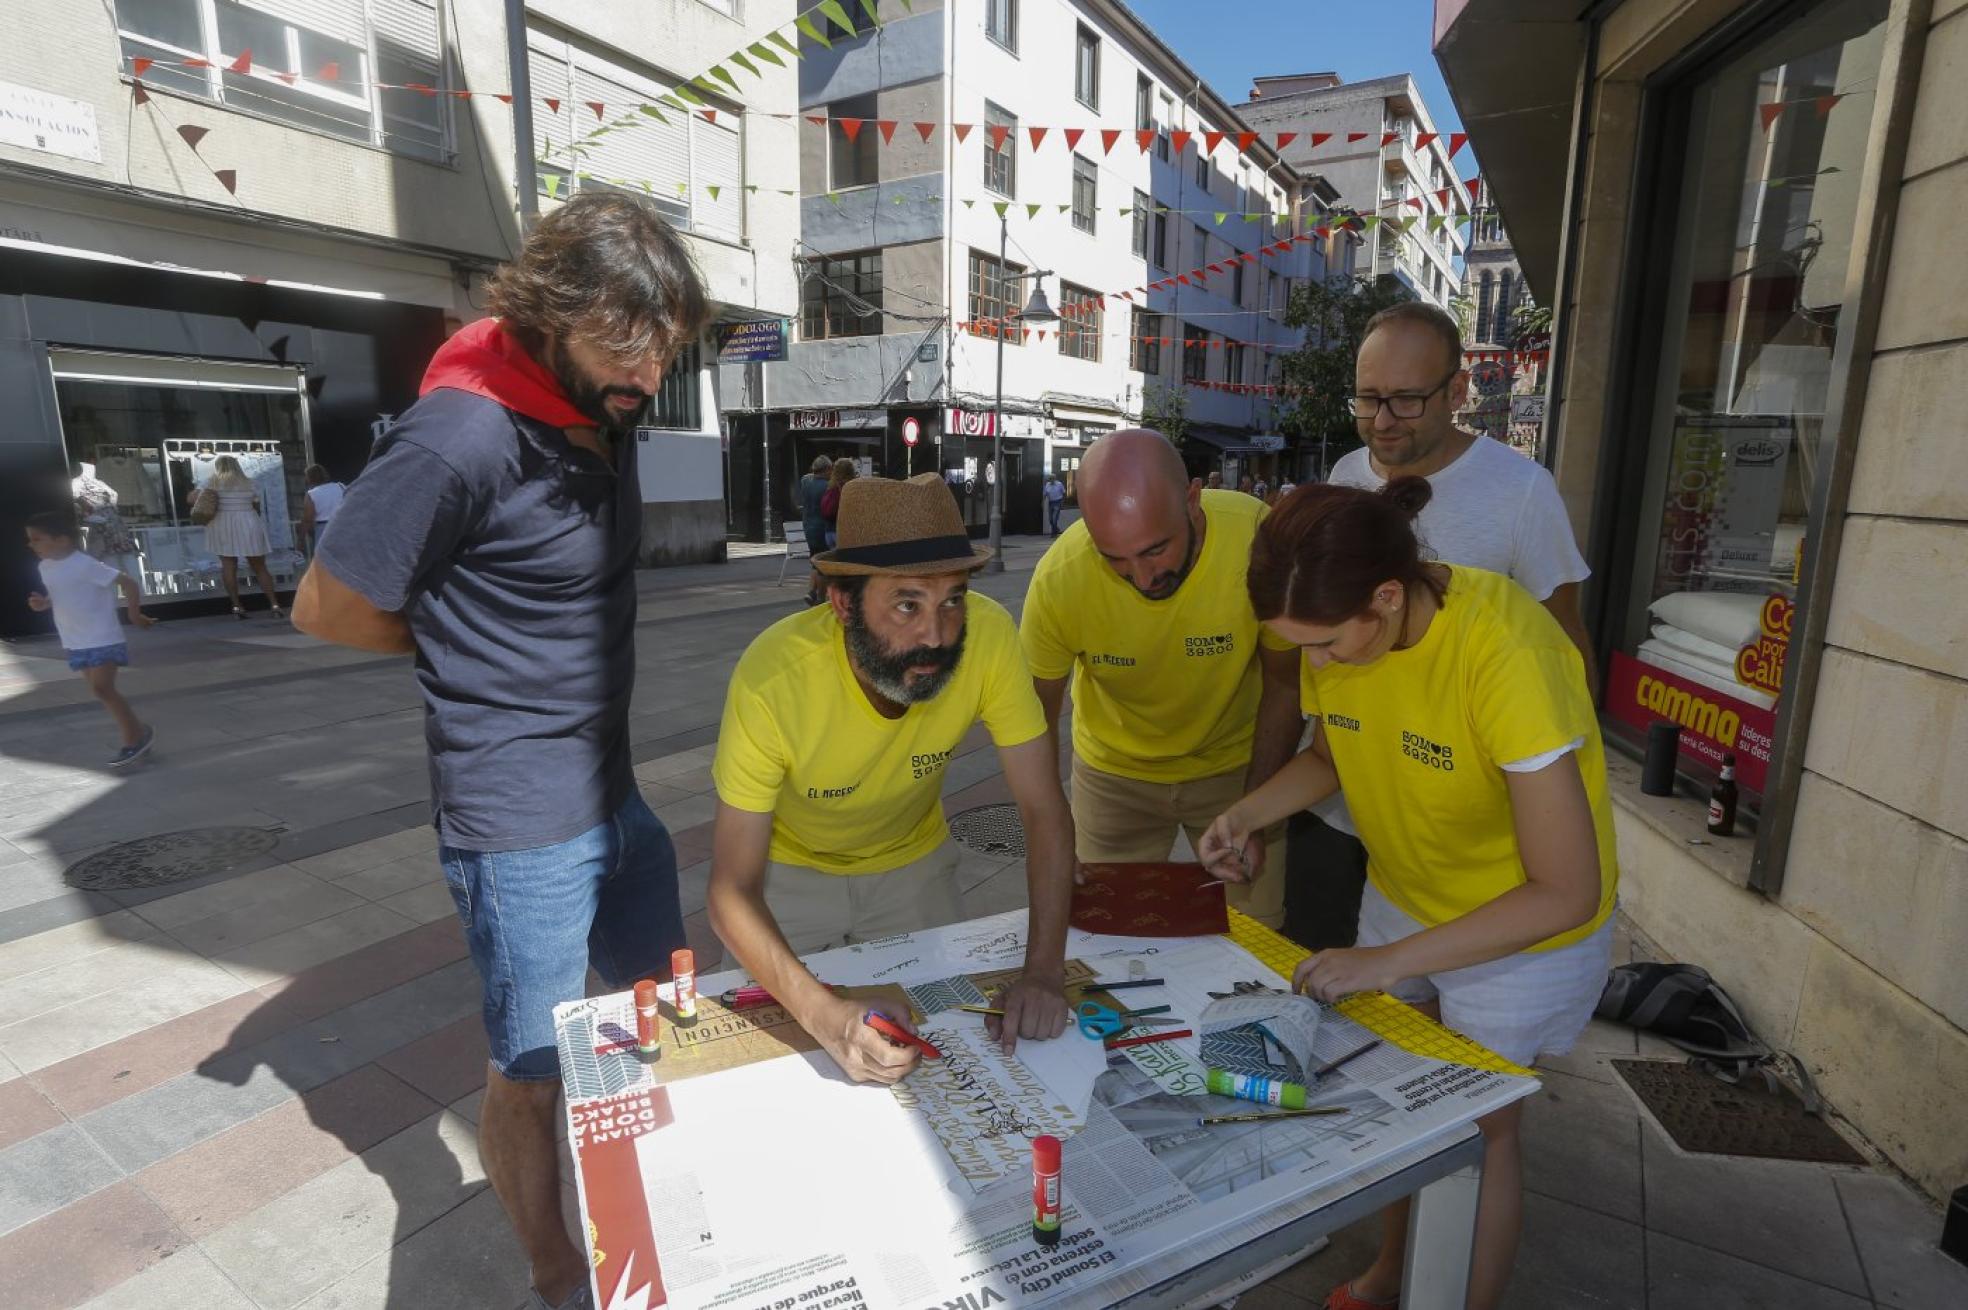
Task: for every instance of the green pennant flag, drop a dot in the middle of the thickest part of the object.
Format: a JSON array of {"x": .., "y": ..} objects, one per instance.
[
  {"x": 675, "y": 104},
  {"x": 1000, "y": 206},
  {"x": 1435, "y": 222},
  {"x": 1370, "y": 222},
  {"x": 1221, "y": 214},
  {"x": 552, "y": 182},
  {"x": 683, "y": 189},
  {"x": 751, "y": 188},
  {"x": 738, "y": 58},
  {"x": 873, "y": 16},
  {"x": 834, "y": 198},
  {"x": 723, "y": 74},
  {"x": 703, "y": 81},
  {"x": 833, "y": 10},
  {"x": 1064, "y": 208},
  {"x": 1251, "y": 218},
  {"x": 909, "y": 5},
  {"x": 713, "y": 192},
  {"x": 1032, "y": 211},
  {"x": 785, "y": 43},
  {"x": 812, "y": 29},
  {"x": 683, "y": 89},
  {"x": 766, "y": 53},
  {"x": 785, "y": 191},
  {"x": 1407, "y": 224}
]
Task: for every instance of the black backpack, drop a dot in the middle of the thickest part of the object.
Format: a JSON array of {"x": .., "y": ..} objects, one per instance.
[{"x": 1681, "y": 1004}]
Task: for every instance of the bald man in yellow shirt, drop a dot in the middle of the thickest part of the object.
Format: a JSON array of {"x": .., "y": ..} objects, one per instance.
[{"x": 1181, "y": 700}]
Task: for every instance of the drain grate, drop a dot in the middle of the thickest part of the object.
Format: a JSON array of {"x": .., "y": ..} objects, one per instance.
[
  {"x": 170, "y": 857},
  {"x": 1702, "y": 1113},
  {"x": 990, "y": 830}
]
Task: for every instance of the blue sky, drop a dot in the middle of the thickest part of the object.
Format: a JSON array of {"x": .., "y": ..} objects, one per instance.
[{"x": 1231, "y": 41}]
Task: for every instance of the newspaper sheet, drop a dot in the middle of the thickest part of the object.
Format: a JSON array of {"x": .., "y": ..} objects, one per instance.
[{"x": 779, "y": 1185}]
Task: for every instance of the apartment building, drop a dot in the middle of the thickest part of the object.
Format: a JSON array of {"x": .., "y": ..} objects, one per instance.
[
  {"x": 1377, "y": 144},
  {"x": 243, "y": 226},
  {"x": 955, "y": 161}
]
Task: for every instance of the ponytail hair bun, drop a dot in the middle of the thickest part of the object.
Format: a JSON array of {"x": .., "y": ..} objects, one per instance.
[
  {"x": 1409, "y": 494},
  {"x": 1321, "y": 554}
]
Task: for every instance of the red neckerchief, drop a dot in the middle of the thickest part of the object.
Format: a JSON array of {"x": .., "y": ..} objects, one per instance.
[{"x": 488, "y": 361}]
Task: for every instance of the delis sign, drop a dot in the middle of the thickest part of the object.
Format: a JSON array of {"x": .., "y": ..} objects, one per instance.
[{"x": 1712, "y": 723}]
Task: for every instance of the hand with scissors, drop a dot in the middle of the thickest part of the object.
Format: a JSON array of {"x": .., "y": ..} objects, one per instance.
[{"x": 1102, "y": 1021}]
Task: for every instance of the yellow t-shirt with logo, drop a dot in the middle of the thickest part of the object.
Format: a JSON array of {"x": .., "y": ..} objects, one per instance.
[
  {"x": 850, "y": 791},
  {"x": 1419, "y": 738},
  {"x": 1163, "y": 690}
]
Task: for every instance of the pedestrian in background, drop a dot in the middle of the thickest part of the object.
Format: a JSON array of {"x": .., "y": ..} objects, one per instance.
[
  {"x": 324, "y": 497},
  {"x": 830, "y": 501},
  {"x": 82, "y": 590},
  {"x": 236, "y": 530},
  {"x": 1055, "y": 497},
  {"x": 812, "y": 489}
]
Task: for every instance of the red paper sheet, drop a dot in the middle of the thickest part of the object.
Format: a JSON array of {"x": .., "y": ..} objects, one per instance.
[{"x": 1153, "y": 899}]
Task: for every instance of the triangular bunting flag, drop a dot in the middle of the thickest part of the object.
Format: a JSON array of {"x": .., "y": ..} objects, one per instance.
[
  {"x": 194, "y": 62},
  {"x": 970, "y": 204},
  {"x": 812, "y": 29},
  {"x": 1317, "y": 139},
  {"x": 962, "y": 130},
  {"x": 1211, "y": 140},
  {"x": 1435, "y": 222},
  {"x": 738, "y": 57},
  {"x": 1042, "y": 334},
  {"x": 1769, "y": 113},
  {"x": 850, "y": 128},
  {"x": 1108, "y": 136},
  {"x": 140, "y": 64},
  {"x": 651, "y": 111},
  {"x": 1032, "y": 211},
  {"x": 710, "y": 116},
  {"x": 1221, "y": 214},
  {"x": 1183, "y": 278},
  {"x": 505, "y": 98},
  {"x": 833, "y": 198},
  {"x": 874, "y": 18},
  {"x": 886, "y": 126},
  {"x": 997, "y": 132},
  {"x": 785, "y": 43},
  {"x": 243, "y": 64},
  {"x": 193, "y": 134},
  {"x": 138, "y": 94},
  {"x": 1244, "y": 141},
  {"x": 1284, "y": 139},
  {"x": 715, "y": 189},
  {"x": 818, "y": 120},
  {"x": 553, "y": 105},
  {"x": 1037, "y": 134},
  {"x": 552, "y": 181},
  {"x": 1825, "y": 104},
  {"x": 1456, "y": 142},
  {"x": 229, "y": 179},
  {"x": 1388, "y": 138},
  {"x": 332, "y": 72},
  {"x": 1072, "y": 135},
  {"x": 1179, "y": 140},
  {"x": 1424, "y": 139},
  {"x": 1145, "y": 137},
  {"x": 1000, "y": 206},
  {"x": 1064, "y": 208},
  {"x": 766, "y": 53},
  {"x": 599, "y": 108},
  {"x": 722, "y": 74},
  {"x": 1351, "y": 137},
  {"x": 925, "y": 130},
  {"x": 833, "y": 10}
]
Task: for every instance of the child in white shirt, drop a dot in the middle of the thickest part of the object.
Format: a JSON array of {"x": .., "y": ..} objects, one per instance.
[{"x": 82, "y": 590}]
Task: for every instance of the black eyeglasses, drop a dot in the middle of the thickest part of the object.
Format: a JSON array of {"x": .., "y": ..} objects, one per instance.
[{"x": 1407, "y": 404}]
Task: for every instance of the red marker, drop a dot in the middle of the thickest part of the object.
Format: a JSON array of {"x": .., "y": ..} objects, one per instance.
[
  {"x": 1147, "y": 1039},
  {"x": 901, "y": 1036}
]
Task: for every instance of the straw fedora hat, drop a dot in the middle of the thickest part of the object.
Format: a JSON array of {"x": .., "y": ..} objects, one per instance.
[{"x": 913, "y": 527}]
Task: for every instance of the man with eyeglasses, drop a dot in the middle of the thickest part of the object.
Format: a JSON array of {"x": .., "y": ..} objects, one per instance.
[{"x": 1491, "y": 509}]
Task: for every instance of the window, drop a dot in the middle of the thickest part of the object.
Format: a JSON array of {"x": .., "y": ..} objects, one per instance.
[
  {"x": 1145, "y": 341},
  {"x": 1162, "y": 239},
  {"x": 993, "y": 291},
  {"x": 676, "y": 404},
  {"x": 1195, "y": 354},
  {"x": 1085, "y": 184},
  {"x": 1751, "y": 309},
  {"x": 1237, "y": 283},
  {"x": 1233, "y": 361},
  {"x": 1202, "y": 167},
  {"x": 1086, "y": 69},
  {"x": 1506, "y": 296},
  {"x": 852, "y": 163},
  {"x": 1162, "y": 128},
  {"x": 1202, "y": 245},
  {"x": 313, "y": 70},
  {"x": 1144, "y": 103},
  {"x": 1082, "y": 320},
  {"x": 1484, "y": 287},
  {"x": 841, "y": 296},
  {"x": 1001, "y": 23},
  {"x": 1000, "y": 158},
  {"x": 1141, "y": 222}
]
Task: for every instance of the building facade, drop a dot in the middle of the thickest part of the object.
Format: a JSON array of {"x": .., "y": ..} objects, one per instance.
[
  {"x": 961, "y": 157},
  {"x": 1760, "y": 360},
  {"x": 243, "y": 228},
  {"x": 1506, "y": 364},
  {"x": 1376, "y": 143}
]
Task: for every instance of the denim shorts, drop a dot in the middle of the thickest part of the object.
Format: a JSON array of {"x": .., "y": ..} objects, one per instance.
[
  {"x": 536, "y": 919},
  {"x": 94, "y": 657}
]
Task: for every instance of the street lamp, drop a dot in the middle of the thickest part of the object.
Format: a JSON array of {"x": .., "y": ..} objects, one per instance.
[{"x": 1037, "y": 311}]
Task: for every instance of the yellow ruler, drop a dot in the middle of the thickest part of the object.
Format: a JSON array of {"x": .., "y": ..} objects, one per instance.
[{"x": 1396, "y": 1021}]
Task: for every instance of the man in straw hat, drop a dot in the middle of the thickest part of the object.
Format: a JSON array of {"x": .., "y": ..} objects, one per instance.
[
  {"x": 837, "y": 726},
  {"x": 1181, "y": 700}
]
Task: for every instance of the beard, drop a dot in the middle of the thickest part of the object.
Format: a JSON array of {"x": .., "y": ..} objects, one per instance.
[
  {"x": 1167, "y": 584},
  {"x": 592, "y": 398},
  {"x": 899, "y": 675}
]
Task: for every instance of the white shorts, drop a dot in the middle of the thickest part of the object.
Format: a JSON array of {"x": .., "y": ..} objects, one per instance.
[{"x": 1522, "y": 1006}]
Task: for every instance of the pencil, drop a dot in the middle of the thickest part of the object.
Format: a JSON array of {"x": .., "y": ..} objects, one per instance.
[
  {"x": 980, "y": 1009},
  {"x": 1146, "y": 1039},
  {"x": 1274, "y": 1114},
  {"x": 1118, "y": 986},
  {"x": 1354, "y": 1054}
]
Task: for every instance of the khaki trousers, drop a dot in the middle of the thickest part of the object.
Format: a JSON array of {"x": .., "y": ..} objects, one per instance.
[
  {"x": 817, "y": 911},
  {"x": 1123, "y": 820}
]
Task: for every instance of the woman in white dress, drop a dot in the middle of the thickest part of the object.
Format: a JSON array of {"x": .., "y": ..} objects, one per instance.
[{"x": 238, "y": 531}]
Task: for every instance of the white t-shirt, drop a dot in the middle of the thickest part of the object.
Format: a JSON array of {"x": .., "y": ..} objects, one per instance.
[
  {"x": 1491, "y": 509},
  {"x": 83, "y": 591},
  {"x": 327, "y": 499}
]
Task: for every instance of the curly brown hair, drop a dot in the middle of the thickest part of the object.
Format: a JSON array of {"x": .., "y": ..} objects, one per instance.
[{"x": 607, "y": 271}]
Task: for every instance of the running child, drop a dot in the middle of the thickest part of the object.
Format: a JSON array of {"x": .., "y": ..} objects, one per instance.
[{"x": 82, "y": 591}]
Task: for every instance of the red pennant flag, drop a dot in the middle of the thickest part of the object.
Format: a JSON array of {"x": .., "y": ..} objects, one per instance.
[
  {"x": 140, "y": 64},
  {"x": 998, "y": 132},
  {"x": 1245, "y": 140},
  {"x": 138, "y": 94},
  {"x": 1442, "y": 197},
  {"x": 243, "y": 64},
  {"x": 962, "y": 130},
  {"x": 1351, "y": 137},
  {"x": 1108, "y": 136},
  {"x": 599, "y": 107},
  {"x": 1320, "y": 138},
  {"x": 1180, "y": 140},
  {"x": 505, "y": 97},
  {"x": 1183, "y": 278},
  {"x": 925, "y": 130},
  {"x": 193, "y": 134},
  {"x": 1216, "y": 268},
  {"x": 1073, "y": 135},
  {"x": 291, "y": 78},
  {"x": 553, "y": 105},
  {"x": 332, "y": 72},
  {"x": 1415, "y": 201},
  {"x": 1211, "y": 140},
  {"x": 455, "y": 95},
  {"x": 1128, "y": 296},
  {"x": 1284, "y": 139},
  {"x": 1769, "y": 113},
  {"x": 195, "y": 62},
  {"x": 229, "y": 179},
  {"x": 1424, "y": 139},
  {"x": 1388, "y": 138},
  {"x": 1456, "y": 142},
  {"x": 710, "y": 116},
  {"x": 430, "y": 92},
  {"x": 1145, "y": 138},
  {"x": 1037, "y": 134},
  {"x": 816, "y": 120},
  {"x": 850, "y": 128},
  {"x": 1825, "y": 103},
  {"x": 1042, "y": 334},
  {"x": 886, "y": 126}
]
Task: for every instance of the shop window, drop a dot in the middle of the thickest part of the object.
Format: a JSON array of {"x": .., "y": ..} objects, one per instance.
[
  {"x": 993, "y": 294},
  {"x": 1145, "y": 332},
  {"x": 1195, "y": 353},
  {"x": 1001, "y": 23},
  {"x": 1086, "y": 68},
  {"x": 841, "y": 296},
  {"x": 1085, "y": 189},
  {"x": 1761, "y": 162},
  {"x": 853, "y": 163},
  {"x": 1141, "y": 221},
  {"x": 1081, "y": 323},
  {"x": 1000, "y": 158}
]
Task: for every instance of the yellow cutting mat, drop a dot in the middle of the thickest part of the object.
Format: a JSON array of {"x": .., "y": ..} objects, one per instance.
[{"x": 1397, "y": 1021}]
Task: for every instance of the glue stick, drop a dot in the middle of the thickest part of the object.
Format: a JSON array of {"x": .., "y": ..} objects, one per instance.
[
  {"x": 683, "y": 968},
  {"x": 649, "y": 1020},
  {"x": 1045, "y": 1191},
  {"x": 1250, "y": 1087}
]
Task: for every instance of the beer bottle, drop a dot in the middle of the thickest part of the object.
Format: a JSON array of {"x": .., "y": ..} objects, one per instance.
[{"x": 1722, "y": 800}]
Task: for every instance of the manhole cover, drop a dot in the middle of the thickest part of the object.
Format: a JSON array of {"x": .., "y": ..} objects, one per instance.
[
  {"x": 1703, "y": 1113},
  {"x": 170, "y": 857},
  {"x": 991, "y": 830}
]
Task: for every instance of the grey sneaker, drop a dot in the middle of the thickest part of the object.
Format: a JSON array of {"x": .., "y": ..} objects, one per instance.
[{"x": 131, "y": 754}]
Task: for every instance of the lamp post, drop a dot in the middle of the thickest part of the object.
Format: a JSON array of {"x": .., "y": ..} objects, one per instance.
[{"x": 1036, "y": 311}]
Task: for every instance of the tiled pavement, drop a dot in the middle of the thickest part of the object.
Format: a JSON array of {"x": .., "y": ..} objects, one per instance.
[{"x": 260, "y": 1090}]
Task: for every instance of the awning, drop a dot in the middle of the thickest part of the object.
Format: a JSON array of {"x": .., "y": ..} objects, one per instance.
[{"x": 1236, "y": 443}]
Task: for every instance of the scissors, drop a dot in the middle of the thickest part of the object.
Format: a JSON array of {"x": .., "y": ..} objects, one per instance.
[{"x": 1098, "y": 1021}]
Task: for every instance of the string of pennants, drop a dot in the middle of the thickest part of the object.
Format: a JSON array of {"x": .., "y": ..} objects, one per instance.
[{"x": 1770, "y": 111}]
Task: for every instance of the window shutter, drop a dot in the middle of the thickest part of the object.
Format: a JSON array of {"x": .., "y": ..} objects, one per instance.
[
  {"x": 341, "y": 19},
  {"x": 651, "y": 155},
  {"x": 718, "y": 165},
  {"x": 552, "y": 132},
  {"x": 408, "y": 25}
]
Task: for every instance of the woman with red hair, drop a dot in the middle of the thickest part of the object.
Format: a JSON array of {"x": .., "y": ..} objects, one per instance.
[{"x": 1455, "y": 709}]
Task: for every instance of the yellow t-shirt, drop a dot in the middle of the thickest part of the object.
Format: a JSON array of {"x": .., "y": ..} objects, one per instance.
[
  {"x": 850, "y": 791},
  {"x": 1163, "y": 690},
  {"x": 1420, "y": 735}
]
